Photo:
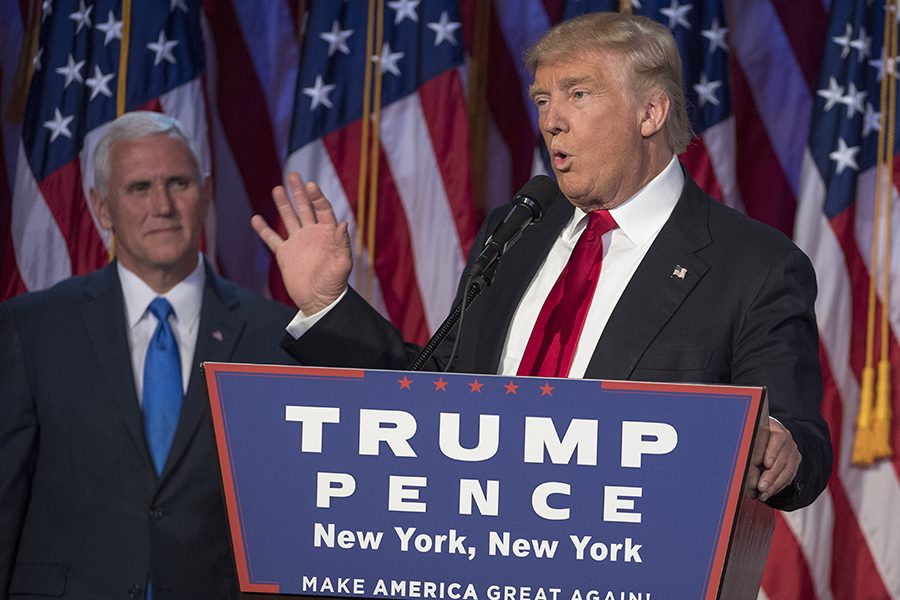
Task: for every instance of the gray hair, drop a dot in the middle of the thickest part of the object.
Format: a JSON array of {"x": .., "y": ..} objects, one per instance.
[
  {"x": 649, "y": 52},
  {"x": 132, "y": 126}
]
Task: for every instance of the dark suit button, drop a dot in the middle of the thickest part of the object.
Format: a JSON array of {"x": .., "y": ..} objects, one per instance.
[
  {"x": 135, "y": 591},
  {"x": 155, "y": 513}
]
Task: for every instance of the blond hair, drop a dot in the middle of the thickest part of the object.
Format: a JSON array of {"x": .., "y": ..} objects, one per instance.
[{"x": 649, "y": 55}]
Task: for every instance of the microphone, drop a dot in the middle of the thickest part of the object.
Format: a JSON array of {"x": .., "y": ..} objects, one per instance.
[{"x": 527, "y": 207}]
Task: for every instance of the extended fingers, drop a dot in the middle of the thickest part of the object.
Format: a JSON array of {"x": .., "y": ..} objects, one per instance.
[
  {"x": 285, "y": 210},
  {"x": 322, "y": 210},
  {"x": 268, "y": 235}
]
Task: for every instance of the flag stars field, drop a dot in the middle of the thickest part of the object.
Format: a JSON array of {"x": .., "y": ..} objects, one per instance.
[
  {"x": 337, "y": 38},
  {"x": 404, "y": 9},
  {"x": 111, "y": 28},
  {"x": 163, "y": 47}
]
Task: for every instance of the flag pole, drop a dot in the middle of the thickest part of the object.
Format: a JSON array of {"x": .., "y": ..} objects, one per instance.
[
  {"x": 364, "y": 142},
  {"x": 881, "y": 424},
  {"x": 863, "y": 443},
  {"x": 625, "y": 6},
  {"x": 374, "y": 153},
  {"x": 122, "y": 86}
]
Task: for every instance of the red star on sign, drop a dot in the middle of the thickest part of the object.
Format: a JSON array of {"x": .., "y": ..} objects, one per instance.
[
  {"x": 405, "y": 383},
  {"x": 511, "y": 388},
  {"x": 475, "y": 386},
  {"x": 440, "y": 385},
  {"x": 546, "y": 389}
]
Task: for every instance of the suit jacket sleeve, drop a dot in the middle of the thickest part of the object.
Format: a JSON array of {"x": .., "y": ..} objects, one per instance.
[
  {"x": 777, "y": 344},
  {"x": 18, "y": 438},
  {"x": 353, "y": 334}
]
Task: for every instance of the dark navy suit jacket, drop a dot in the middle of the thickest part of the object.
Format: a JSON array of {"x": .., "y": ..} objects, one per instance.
[
  {"x": 742, "y": 314},
  {"x": 83, "y": 514}
]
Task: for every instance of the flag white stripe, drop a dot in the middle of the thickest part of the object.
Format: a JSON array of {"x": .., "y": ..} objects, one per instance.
[
  {"x": 813, "y": 528},
  {"x": 874, "y": 493},
  {"x": 437, "y": 256},
  {"x": 775, "y": 81},
  {"x": 313, "y": 164},
  {"x": 41, "y": 251},
  {"x": 720, "y": 146}
]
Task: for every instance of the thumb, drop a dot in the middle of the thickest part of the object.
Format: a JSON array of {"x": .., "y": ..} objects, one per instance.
[{"x": 341, "y": 237}]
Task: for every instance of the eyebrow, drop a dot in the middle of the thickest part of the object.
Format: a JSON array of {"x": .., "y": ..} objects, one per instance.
[{"x": 565, "y": 83}]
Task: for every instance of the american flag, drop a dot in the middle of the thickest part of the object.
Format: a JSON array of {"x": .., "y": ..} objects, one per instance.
[
  {"x": 74, "y": 92},
  {"x": 785, "y": 102}
]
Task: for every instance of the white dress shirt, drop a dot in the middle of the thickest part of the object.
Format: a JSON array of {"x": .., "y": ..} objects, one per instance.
[
  {"x": 186, "y": 299},
  {"x": 639, "y": 220}
]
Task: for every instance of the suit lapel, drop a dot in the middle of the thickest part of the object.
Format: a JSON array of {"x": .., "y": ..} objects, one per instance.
[
  {"x": 104, "y": 319},
  {"x": 655, "y": 292},
  {"x": 217, "y": 335},
  {"x": 513, "y": 277}
]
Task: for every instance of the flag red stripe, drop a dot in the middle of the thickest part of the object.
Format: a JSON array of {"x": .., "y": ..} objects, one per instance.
[
  {"x": 781, "y": 582},
  {"x": 62, "y": 190},
  {"x": 393, "y": 244},
  {"x": 243, "y": 109},
  {"x": 11, "y": 283},
  {"x": 554, "y": 10},
  {"x": 696, "y": 160},
  {"x": 765, "y": 190},
  {"x": 445, "y": 117},
  {"x": 853, "y": 570},
  {"x": 804, "y": 21},
  {"x": 246, "y": 122},
  {"x": 844, "y": 228},
  {"x": 507, "y": 106}
]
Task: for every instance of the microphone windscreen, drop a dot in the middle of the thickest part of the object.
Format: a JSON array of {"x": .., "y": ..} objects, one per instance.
[{"x": 541, "y": 189}]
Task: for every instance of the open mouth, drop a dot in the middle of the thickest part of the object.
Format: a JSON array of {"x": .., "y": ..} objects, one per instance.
[{"x": 560, "y": 158}]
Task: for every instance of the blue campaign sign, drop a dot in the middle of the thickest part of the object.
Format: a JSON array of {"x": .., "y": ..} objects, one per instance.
[{"x": 422, "y": 485}]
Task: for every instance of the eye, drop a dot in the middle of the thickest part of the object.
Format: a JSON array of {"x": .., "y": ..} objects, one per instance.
[
  {"x": 540, "y": 101},
  {"x": 179, "y": 183},
  {"x": 579, "y": 94},
  {"x": 138, "y": 187}
]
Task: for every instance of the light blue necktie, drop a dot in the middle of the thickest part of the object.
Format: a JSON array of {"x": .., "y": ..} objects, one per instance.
[{"x": 162, "y": 386}]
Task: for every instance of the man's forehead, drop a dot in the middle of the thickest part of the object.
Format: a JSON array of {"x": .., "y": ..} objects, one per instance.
[
  {"x": 169, "y": 150},
  {"x": 582, "y": 66}
]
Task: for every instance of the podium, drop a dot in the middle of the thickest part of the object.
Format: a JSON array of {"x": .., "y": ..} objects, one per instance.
[{"x": 388, "y": 484}]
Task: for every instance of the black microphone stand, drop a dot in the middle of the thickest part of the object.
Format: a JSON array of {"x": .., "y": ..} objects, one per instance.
[{"x": 476, "y": 286}]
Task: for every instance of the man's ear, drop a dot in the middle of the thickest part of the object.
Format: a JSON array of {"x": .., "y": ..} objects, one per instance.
[
  {"x": 101, "y": 210},
  {"x": 655, "y": 113}
]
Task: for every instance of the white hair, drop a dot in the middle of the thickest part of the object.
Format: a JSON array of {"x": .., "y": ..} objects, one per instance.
[{"x": 131, "y": 126}]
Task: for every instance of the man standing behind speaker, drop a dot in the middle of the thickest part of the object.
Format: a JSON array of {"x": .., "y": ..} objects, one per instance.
[
  {"x": 109, "y": 484},
  {"x": 636, "y": 274}
]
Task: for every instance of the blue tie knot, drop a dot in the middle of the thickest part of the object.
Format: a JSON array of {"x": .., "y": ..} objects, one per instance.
[{"x": 161, "y": 309}]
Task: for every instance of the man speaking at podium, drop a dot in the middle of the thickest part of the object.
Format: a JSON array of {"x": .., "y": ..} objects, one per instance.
[{"x": 634, "y": 274}]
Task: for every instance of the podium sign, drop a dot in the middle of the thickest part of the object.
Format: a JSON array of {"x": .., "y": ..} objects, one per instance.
[{"x": 422, "y": 485}]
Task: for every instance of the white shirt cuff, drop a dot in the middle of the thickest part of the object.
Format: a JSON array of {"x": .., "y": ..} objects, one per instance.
[{"x": 301, "y": 323}]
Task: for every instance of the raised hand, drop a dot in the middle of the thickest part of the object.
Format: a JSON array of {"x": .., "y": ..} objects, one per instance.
[{"x": 315, "y": 259}]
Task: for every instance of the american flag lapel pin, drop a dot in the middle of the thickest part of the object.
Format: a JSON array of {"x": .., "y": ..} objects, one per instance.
[
  {"x": 679, "y": 272},
  {"x": 217, "y": 335}
]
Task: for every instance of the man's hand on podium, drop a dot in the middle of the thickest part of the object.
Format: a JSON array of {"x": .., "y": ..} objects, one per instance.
[{"x": 775, "y": 460}]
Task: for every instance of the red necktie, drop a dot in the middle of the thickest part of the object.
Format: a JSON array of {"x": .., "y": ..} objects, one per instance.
[{"x": 552, "y": 344}]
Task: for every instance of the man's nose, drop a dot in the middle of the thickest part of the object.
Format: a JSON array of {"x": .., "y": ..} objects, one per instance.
[
  {"x": 554, "y": 119},
  {"x": 161, "y": 201}
]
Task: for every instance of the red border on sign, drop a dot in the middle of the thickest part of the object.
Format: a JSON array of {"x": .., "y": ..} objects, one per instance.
[{"x": 232, "y": 503}]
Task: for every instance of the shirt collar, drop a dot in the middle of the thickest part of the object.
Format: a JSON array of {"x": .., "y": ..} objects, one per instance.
[
  {"x": 643, "y": 215},
  {"x": 186, "y": 297}
]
